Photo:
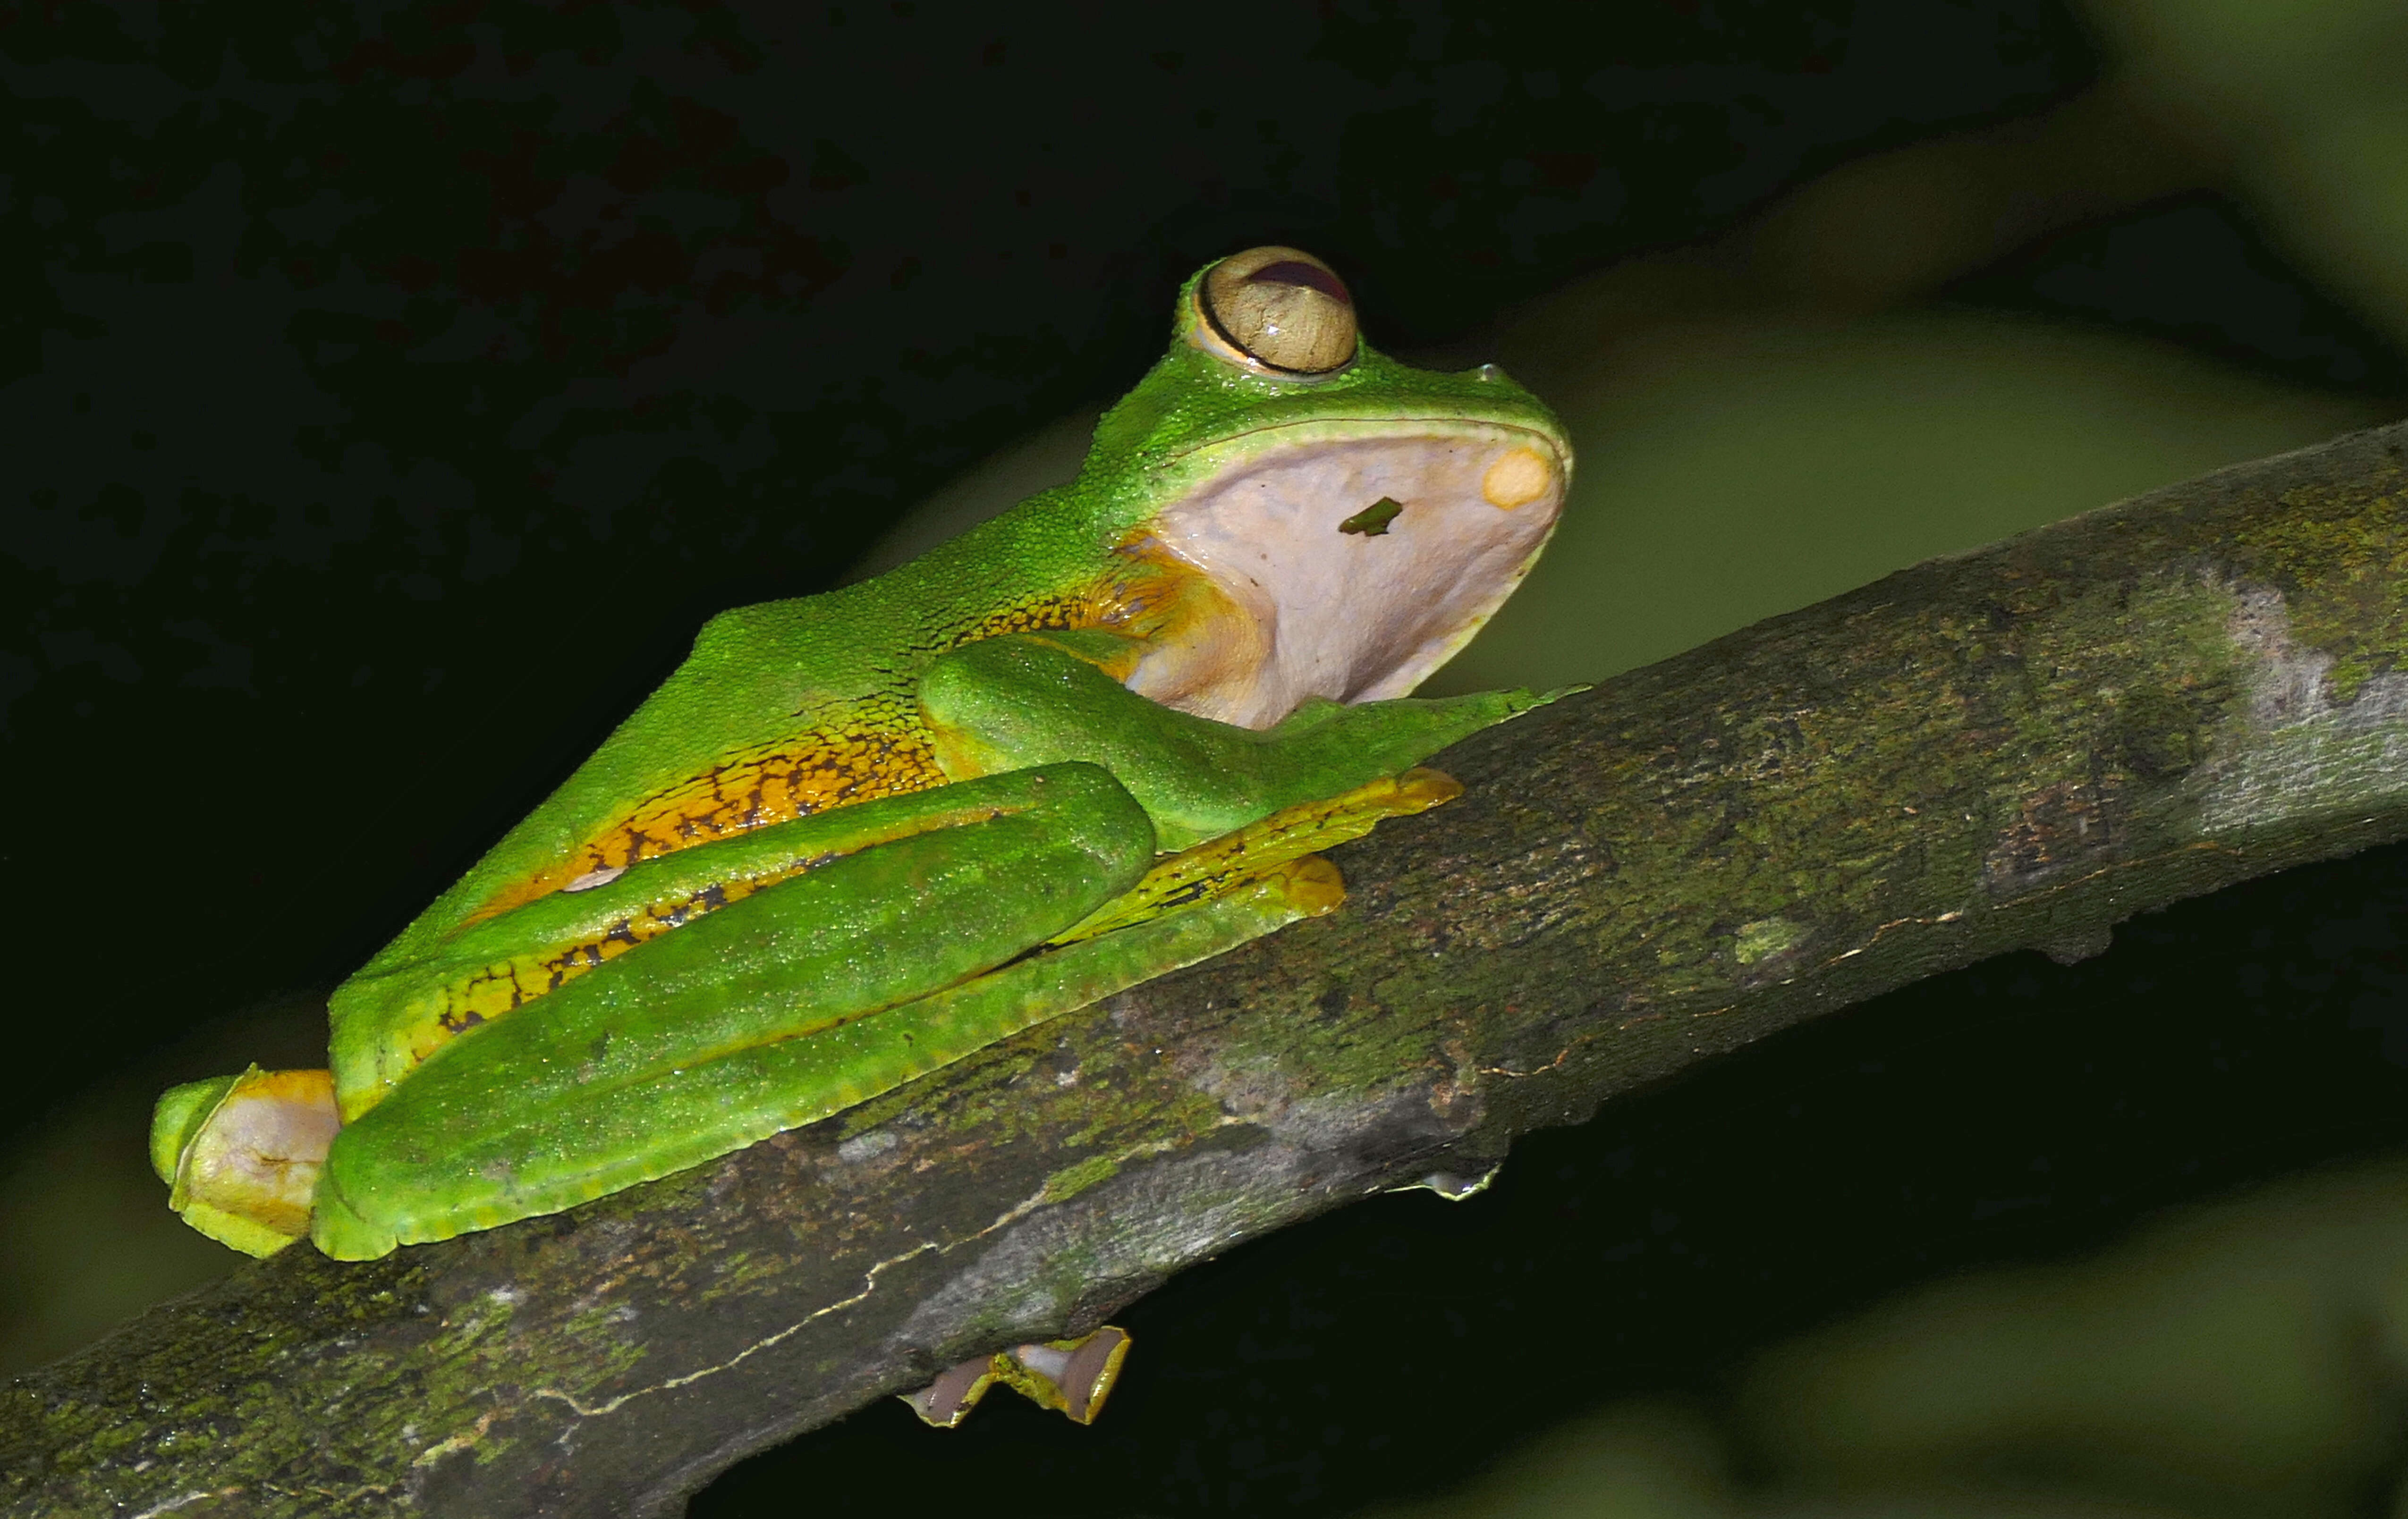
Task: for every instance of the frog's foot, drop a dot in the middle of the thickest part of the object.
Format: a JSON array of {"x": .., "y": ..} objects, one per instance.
[
  {"x": 1219, "y": 868},
  {"x": 1070, "y": 1376},
  {"x": 241, "y": 1153}
]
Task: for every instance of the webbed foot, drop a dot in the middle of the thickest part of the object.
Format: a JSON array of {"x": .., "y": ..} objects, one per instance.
[
  {"x": 241, "y": 1153},
  {"x": 1069, "y": 1376}
]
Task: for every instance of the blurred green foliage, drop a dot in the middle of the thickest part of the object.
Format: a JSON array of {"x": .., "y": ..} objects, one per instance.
[
  {"x": 2237, "y": 1361},
  {"x": 1731, "y": 471}
]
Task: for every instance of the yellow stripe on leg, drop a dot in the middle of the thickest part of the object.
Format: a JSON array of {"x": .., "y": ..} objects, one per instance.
[{"x": 1219, "y": 867}]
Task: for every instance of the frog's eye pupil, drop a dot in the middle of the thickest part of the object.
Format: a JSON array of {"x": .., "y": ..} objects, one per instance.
[
  {"x": 1290, "y": 271},
  {"x": 1280, "y": 309}
]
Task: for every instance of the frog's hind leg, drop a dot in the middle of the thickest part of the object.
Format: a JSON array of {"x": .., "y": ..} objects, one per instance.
[
  {"x": 445, "y": 1155},
  {"x": 416, "y": 997},
  {"x": 243, "y": 1154}
]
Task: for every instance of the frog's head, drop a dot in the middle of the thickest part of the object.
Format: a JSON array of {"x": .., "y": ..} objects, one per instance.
[{"x": 1340, "y": 523}]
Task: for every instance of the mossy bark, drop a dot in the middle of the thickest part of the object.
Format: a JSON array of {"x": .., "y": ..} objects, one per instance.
[{"x": 2014, "y": 748}]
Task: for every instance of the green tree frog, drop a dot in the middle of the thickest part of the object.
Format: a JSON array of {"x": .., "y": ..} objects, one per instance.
[{"x": 859, "y": 835}]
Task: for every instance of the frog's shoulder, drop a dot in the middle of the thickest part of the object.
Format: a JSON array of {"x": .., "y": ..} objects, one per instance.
[
  {"x": 795, "y": 655},
  {"x": 796, "y": 622}
]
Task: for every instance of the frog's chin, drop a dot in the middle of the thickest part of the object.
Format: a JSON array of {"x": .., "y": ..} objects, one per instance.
[{"x": 1326, "y": 591}]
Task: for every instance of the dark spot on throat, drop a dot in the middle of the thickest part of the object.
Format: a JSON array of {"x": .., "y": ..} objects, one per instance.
[{"x": 1372, "y": 521}]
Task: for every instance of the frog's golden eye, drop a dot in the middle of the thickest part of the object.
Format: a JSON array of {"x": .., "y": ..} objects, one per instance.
[{"x": 1280, "y": 309}]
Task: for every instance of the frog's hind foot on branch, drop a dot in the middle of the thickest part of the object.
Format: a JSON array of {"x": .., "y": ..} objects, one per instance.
[
  {"x": 241, "y": 1153},
  {"x": 1072, "y": 1377}
]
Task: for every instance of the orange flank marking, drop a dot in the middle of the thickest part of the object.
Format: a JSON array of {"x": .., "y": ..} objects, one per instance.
[
  {"x": 748, "y": 790},
  {"x": 753, "y": 791},
  {"x": 888, "y": 753},
  {"x": 884, "y": 747}
]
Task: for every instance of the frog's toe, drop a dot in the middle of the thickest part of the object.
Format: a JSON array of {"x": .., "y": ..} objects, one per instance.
[
  {"x": 1072, "y": 1377},
  {"x": 344, "y": 1233},
  {"x": 241, "y": 1154},
  {"x": 945, "y": 1402}
]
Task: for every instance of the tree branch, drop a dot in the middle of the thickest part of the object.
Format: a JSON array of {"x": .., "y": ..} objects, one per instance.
[{"x": 2016, "y": 747}]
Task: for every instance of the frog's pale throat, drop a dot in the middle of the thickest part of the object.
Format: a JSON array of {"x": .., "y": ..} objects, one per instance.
[{"x": 1349, "y": 616}]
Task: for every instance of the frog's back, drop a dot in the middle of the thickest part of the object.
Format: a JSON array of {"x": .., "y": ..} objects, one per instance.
[{"x": 783, "y": 709}]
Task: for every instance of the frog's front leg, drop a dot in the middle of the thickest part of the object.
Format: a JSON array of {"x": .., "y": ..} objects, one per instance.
[{"x": 1043, "y": 698}]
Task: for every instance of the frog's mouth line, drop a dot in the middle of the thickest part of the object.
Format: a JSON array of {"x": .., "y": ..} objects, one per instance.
[
  {"x": 1312, "y": 611},
  {"x": 1349, "y": 425}
]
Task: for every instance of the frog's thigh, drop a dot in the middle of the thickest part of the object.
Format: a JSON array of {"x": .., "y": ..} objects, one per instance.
[
  {"x": 516, "y": 1118},
  {"x": 388, "y": 1019}
]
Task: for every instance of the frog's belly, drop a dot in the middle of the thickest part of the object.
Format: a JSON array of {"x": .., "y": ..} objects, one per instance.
[{"x": 1353, "y": 616}]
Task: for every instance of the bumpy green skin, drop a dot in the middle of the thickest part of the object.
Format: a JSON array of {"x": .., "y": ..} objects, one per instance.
[
  {"x": 754, "y": 1017},
  {"x": 820, "y": 662}
]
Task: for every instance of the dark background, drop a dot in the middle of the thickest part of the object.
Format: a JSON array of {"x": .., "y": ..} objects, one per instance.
[{"x": 390, "y": 392}]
